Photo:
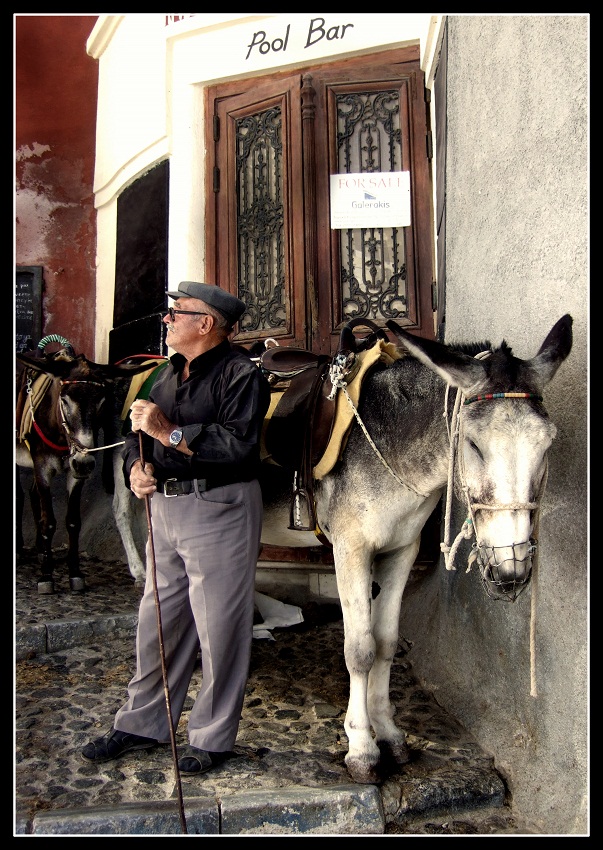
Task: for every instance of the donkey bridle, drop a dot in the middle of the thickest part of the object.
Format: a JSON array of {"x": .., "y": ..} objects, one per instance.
[{"x": 73, "y": 444}]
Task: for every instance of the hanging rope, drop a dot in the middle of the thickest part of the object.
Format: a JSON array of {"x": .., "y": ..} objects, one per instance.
[
  {"x": 533, "y": 601},
  {"x": 466, "y": 531},
  {"x": 534, "y": 592}
]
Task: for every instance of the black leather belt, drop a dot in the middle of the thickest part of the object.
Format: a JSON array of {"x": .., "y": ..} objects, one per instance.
[{"x": 173, "y": 487}]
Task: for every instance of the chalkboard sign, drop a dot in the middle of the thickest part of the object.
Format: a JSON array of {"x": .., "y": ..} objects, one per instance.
[{"x": 28, "y": 307}]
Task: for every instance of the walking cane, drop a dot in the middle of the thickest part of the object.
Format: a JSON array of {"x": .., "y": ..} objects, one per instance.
[{"x": 168, "y": 703}]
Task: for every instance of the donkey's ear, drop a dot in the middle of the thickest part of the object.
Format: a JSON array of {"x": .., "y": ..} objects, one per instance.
[
  {"x": 55, "y": 368},
  {"x": 553, "y": 351},
  {"x": 457, "y": 369},
  {"x": 112, "y": 371}
]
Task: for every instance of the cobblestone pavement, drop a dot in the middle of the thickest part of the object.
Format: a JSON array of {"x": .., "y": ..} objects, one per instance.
[{"x": 291, "y": 734}]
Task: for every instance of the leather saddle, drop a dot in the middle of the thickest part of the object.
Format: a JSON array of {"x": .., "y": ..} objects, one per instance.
[{"x": 298, "y": 432}]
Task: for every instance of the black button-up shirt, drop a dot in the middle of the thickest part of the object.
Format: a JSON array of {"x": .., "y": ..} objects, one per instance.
[{"x": 220, "y": 409}]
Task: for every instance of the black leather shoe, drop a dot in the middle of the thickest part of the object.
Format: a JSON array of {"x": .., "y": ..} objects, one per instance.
[
  {"x": 114, "y": 744},
  {"x": 195, "y": 761}
]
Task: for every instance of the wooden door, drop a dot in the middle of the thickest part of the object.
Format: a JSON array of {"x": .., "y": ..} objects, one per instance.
[{"x": 272, "y": 144}]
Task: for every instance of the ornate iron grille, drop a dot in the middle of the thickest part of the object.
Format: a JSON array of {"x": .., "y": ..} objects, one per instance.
[
  {"x": 373, "y": 259},
  {"x": 260, "y": 220}
]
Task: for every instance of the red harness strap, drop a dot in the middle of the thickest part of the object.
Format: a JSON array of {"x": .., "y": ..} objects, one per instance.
[{"x": 47, "y": 441}]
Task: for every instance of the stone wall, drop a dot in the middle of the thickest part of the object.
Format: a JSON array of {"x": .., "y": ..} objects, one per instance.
[{"x": 516, "y": 261}]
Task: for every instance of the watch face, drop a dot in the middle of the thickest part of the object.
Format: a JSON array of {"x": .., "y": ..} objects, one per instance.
[{"x": 175, "y": 437}]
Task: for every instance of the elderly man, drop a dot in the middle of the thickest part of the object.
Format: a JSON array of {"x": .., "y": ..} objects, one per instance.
[{"x": 201, "y": 431}]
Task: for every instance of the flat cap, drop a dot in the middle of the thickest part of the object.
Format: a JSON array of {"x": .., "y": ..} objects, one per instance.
[{"x": 228, "y": 305}]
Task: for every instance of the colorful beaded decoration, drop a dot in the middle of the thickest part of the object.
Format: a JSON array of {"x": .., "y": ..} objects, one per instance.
[{"x": 488, "y": 396}]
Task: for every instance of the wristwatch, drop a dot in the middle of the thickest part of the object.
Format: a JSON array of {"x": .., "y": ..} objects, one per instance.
[{"x": 175, "y": 438}]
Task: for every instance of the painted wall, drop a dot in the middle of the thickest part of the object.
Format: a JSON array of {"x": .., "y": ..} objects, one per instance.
[
  {"x": 516, "y": 261},
  {"x": 55, "y": 118}
]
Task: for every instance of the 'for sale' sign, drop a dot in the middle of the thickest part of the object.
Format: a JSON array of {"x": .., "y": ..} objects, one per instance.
[{"x": 378, "y": 199}]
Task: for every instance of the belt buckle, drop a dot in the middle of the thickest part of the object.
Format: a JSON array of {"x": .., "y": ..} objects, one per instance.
[{"x": 166, "y": 488}]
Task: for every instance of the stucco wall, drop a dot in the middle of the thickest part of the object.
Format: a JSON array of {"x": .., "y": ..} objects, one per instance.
[
  {"x": 516, "y": 261},
  {"x": 55, "y": 120}
]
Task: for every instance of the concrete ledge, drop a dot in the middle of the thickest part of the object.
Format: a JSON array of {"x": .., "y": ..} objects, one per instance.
[
  {"x": 161, "y": 817},
  {"x": 59, "y": 635},
  {"x": 465, "y": 787},
  {"x": 30, "y": 641},
  {"x": 338, "y": 810},
  {"x": 445, "y": 789},
  {"x": 63, "y": 634}
]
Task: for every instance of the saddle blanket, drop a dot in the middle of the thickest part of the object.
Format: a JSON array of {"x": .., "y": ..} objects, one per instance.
[
  {"x": 140, "y": 387},
  {"x": 382, "y": 351},
  {"x": 39, "y": 386},
  {"x": 385, "y": 352}
]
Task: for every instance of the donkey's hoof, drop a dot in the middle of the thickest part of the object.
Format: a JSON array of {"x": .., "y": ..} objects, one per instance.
[
  {"x": 46, "y": 586},
  {"x": 77, "y": 583},
  {"x": 363, "y": 771},
  {"x": 394, "y": 755}
]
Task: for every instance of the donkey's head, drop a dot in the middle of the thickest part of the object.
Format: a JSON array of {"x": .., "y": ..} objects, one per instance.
[
  {"x": 504, "y": 434},
  {"x": 78, "y": 404}
]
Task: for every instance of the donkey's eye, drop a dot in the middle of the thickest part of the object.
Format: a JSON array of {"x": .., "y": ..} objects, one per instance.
[{"x": 474, "y": 448}]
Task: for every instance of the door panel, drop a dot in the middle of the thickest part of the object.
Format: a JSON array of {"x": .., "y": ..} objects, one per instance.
[
  {"x": 376, "y": 273},
  {"x": 258, "y": 183}
]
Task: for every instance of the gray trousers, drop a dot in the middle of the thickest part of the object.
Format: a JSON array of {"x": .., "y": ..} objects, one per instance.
[{"x": 206, "y": 549}]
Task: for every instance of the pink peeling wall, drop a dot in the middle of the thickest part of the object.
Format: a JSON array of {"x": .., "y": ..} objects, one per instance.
[{"x": 55, "y": 125}]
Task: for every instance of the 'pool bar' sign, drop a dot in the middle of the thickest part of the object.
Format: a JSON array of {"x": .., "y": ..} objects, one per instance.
[{"x": 377, "y": 199}]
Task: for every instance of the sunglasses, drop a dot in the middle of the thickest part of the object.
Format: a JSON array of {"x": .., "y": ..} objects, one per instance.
[{"x": 172, "y": 313}]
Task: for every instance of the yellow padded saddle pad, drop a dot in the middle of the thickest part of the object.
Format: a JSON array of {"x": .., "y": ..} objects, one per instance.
[
  {"x": 40, "y": 384},
  {"x": 386, "y": 352}
]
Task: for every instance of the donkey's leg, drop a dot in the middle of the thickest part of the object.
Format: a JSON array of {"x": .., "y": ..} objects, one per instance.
[
  {"x": 36, "y": 510},
  {"x": 129, "y": 513},
  {"x": 20, "y": 505},
  {"x": 353, "y": 569},
  {"x": 390, "y": 574},
  {"x": 74, "y": 525},
  {"x": 41, "y": 505}
]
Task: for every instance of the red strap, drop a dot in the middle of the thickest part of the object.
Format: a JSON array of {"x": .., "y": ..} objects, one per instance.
[{"x": 47, "y": 441}]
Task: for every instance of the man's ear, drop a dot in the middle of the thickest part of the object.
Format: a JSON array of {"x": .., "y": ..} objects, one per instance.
[{"x": 204, "y": 326}]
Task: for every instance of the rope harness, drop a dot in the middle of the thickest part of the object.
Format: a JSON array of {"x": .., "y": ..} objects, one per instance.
[
  {"x": 468, "y": 528},
  {"x": 73, "y": 445},
  {"x": 36, "y": 390}
]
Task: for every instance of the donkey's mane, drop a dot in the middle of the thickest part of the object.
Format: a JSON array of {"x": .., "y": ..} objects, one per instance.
[
  {"x": 501, "y": 367},
  {"x": 472, "y": 348}
]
